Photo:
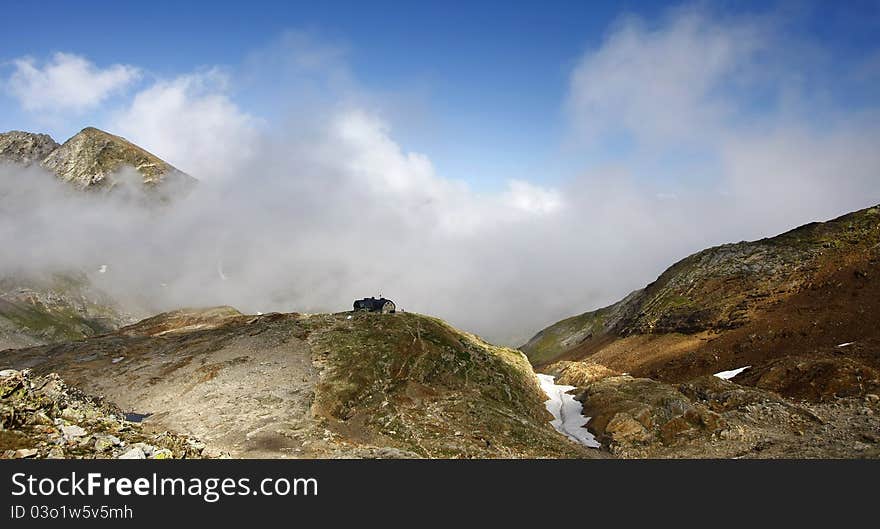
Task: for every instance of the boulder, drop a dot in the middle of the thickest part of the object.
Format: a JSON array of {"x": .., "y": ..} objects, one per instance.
[
  {"x": 72, "y": 431},
  {"x": 623, "y": 428},
  {"x": 133, "y": 453}
]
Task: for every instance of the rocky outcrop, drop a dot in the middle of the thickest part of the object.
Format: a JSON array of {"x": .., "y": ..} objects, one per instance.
[
  {"x": 627, "y": 411},
  {"x": 42, "y": 417},
  {"x": 712, "y": 418},
  {"x": 579, "y": 373},
  {"x": 25, "y": 148}
]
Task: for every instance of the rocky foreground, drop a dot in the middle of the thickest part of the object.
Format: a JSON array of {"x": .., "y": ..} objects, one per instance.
[
  {"x": 42, "y": 417},
  {"x": 708, "y": 417}
]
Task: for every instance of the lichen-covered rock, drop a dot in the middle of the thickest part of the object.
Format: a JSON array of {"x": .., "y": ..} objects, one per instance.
[
  {"x": 133, "y": 453},
  {"x": 623, "y": 428},
  {"x": 708, "y": 417}
]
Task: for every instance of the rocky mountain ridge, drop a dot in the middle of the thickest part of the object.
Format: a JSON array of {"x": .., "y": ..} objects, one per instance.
[
  {"x": 25, "y": 148},
  {"x": 91, "y": 159}
]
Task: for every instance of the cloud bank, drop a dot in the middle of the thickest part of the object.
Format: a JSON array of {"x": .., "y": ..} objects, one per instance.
[
  {"x": 66, "y": 82},
  {"x": 690, "y": 130}
]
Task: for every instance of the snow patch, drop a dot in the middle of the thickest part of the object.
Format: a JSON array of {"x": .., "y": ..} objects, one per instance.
[
  {"x": 847, "y": 344},
  {"x": 727, "y": 375},
  {"x": 567, "y": 412}
]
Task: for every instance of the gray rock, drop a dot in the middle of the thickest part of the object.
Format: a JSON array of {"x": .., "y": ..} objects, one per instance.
[
  {"x": 148, "y": 449},
  {"x": 25, "y": 148},
  {"x": 106, "y": 442},
  {"x": 134, "y": 453},
  {"x": 71, "y": 431}
]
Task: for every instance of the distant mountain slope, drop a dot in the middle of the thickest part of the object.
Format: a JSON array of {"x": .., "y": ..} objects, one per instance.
[
  {"x": 325, "y": 385},
  {"x": 36, "y": 311},
  {"x": 800, "y": 294}
]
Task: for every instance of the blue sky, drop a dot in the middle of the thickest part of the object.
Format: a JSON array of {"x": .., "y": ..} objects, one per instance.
[{"x": 483, "y": 84}]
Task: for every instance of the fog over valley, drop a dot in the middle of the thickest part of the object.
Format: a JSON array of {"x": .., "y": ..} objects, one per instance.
[{"x": 309, "y": 207}]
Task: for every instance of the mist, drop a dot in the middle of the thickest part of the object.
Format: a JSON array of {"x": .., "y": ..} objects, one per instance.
[{"x": 310, "y": 210}]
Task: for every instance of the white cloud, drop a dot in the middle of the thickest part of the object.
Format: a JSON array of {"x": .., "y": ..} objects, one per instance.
[
  {"x": 374, "y": 156},
  {"x": 67, "y": 82},
  {"x": 661, "y": 84},
  {"x": 531, "y": 198},
  {"x": 191, "y": 122},
  {"x": 720, "y": 119},
  {"x": 360, "y": 144}
]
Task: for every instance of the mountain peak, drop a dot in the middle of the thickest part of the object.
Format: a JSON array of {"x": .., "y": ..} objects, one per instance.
[{"x": 92, "y": 157}]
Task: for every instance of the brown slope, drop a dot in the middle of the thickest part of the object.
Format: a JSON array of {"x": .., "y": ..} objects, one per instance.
[{"x": 795, "y": 296}]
